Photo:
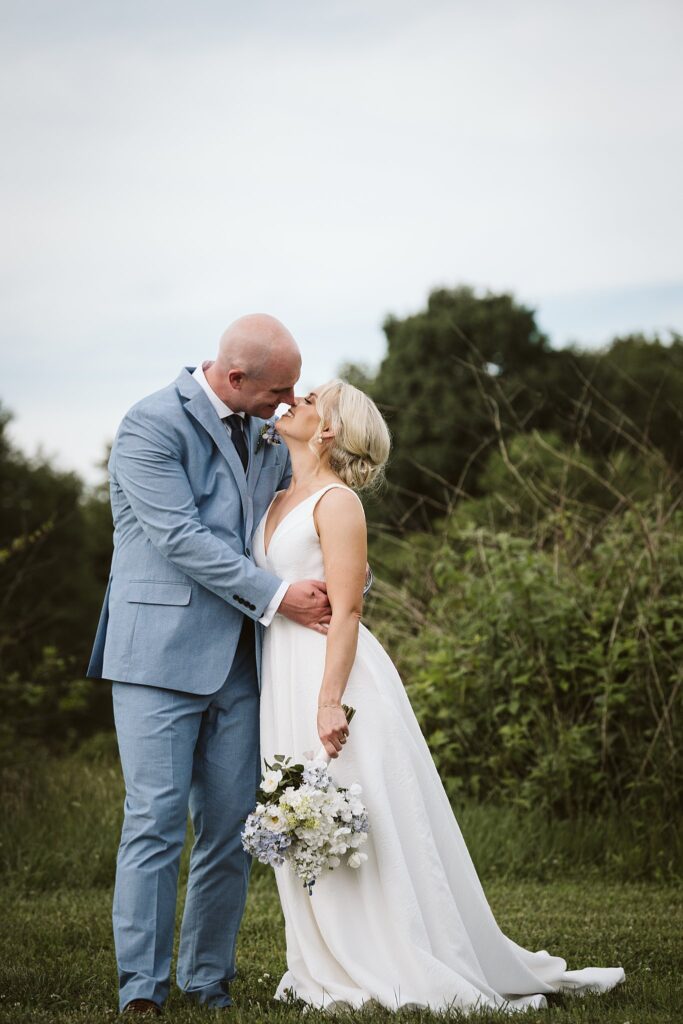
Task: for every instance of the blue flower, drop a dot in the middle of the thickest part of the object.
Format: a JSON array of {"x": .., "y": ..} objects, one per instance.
[{"x": 316, "y": 775}]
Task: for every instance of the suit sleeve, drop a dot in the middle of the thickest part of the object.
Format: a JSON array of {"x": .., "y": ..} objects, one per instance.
[{"x": 154, "y": 482}]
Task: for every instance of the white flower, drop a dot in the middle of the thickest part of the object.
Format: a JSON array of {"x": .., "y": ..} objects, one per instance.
[
  {"x": 313, "y": 825},
  {"x": 274, "y": 819},
  {"x": 271, "y": 780}
]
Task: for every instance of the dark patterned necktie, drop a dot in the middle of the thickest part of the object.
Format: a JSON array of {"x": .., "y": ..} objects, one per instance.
[{"x": 235, "y": 424}]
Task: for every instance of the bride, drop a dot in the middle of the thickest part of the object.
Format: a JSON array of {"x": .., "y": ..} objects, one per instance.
[{"x": 412, "y": 926}]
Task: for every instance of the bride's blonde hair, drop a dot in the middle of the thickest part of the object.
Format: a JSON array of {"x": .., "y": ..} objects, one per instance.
[{"x": 359, "y": 450}]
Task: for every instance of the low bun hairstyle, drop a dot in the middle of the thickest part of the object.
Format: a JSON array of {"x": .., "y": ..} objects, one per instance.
[{"x": 359, "y": 450}]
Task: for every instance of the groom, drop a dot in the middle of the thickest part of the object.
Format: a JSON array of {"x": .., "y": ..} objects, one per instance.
[{"x": 191, "y": 477}]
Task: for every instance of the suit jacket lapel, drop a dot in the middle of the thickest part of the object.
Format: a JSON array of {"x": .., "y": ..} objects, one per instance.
[{"x": 199, "y": 407}]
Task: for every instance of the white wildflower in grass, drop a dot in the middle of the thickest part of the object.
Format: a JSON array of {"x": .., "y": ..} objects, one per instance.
[{"x": 306, "y": 820}]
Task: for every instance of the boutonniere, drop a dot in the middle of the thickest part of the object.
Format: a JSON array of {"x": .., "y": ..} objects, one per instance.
[{"x": 268, "y": 435}]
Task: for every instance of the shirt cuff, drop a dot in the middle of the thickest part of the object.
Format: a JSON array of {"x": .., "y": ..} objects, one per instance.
[{"x": 275, "y": 603}]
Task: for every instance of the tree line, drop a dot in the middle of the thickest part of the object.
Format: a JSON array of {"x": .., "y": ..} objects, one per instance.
[
  {"x": 469, "y": 371},
  {"x": 526, "y": 549}
]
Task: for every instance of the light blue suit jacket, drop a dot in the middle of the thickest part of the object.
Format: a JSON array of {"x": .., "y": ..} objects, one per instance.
[{"x": 182, "y": 575}]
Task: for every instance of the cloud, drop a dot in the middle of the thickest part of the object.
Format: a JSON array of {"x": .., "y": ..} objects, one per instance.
[{"x": 169, "y": 166}]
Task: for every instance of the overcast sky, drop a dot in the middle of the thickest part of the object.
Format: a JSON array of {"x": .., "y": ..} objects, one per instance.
[{"x": 169, "y": 166}]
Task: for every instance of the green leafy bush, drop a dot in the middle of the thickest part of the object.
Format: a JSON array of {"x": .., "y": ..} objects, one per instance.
[
  {"x": 546, "y": 669},
  {"x": 55, "y": 548}
]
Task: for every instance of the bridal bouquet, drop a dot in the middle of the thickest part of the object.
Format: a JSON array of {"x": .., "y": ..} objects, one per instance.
[{"x": 306, "y": 819}]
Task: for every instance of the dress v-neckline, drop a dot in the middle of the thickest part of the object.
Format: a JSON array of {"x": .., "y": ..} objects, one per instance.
[{"x": 286, "y": 516}]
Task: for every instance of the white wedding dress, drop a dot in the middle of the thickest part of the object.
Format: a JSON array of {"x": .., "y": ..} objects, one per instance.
[{"x": 411, "y": 926}]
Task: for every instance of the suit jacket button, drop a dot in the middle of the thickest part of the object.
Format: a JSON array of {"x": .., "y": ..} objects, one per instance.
[{"x": 248, "y": 553}]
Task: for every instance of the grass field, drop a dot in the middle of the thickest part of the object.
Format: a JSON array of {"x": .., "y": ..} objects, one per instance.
[{"x": 59, "y": 834}]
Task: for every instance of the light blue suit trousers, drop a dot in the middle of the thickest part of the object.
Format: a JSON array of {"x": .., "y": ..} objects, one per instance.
[{"x": 177, "y": 748}]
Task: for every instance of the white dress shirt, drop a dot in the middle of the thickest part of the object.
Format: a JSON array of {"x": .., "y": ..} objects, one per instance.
[{"x": 222, "y": 410}]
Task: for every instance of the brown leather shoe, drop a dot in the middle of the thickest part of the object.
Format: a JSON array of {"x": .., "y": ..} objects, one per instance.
[{"x": 142, "y": 1008}]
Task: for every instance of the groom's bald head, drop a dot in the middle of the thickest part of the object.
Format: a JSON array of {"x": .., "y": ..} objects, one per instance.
[
  {"x": 255, "y": 342},
  {"x": 257, "y": 365}
]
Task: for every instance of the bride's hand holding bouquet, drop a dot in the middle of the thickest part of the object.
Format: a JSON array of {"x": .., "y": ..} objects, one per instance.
[{"x": 333, "y": 726}]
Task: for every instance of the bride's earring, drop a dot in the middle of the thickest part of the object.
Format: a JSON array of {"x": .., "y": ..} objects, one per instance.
[{"x": 320, "y": 440}]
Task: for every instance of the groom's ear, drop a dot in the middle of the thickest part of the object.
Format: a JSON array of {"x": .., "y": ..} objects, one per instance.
[{"x": 236, "y": 378}]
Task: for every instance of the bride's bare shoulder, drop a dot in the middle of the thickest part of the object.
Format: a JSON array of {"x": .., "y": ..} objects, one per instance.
[
  {"x": 338, "y": 499},
  {"x": 339, "y": 508}
]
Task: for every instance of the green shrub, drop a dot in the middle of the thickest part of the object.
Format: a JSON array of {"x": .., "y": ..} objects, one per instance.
[
  {"x": 52, "y": 710},
  {"x": 551, "y": 676},
  {"x": 539, "y": 632}
]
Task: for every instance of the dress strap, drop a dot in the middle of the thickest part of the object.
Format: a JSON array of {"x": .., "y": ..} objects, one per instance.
[{"x": 328, "y": 487}]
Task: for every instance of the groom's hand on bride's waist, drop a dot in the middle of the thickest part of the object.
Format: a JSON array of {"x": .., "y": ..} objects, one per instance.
[{"x": 306, "y": 602}]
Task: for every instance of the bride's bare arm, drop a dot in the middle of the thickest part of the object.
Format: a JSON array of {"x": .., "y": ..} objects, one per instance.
[{"x": 340, "y": 521}]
